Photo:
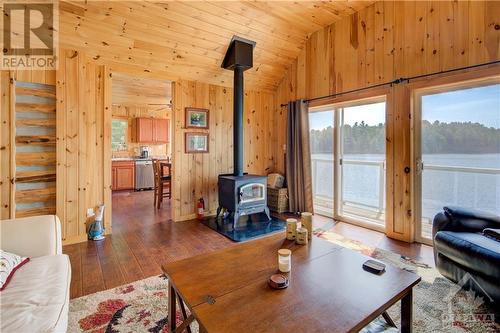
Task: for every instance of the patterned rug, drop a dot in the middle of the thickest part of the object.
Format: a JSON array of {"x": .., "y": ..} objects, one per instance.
[
  {"x": 439, "y": 305},
  {"x": 137, "y": 307}
]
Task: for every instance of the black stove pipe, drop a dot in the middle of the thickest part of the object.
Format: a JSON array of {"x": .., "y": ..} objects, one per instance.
[
  {"x": 238, "y": 58},
  {"x": 238, "y": 92}
]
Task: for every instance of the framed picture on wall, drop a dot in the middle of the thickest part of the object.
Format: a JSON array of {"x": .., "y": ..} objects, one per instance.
[
  {"x": 196, "y": 142},
  {"x": 196, "y": 118}
]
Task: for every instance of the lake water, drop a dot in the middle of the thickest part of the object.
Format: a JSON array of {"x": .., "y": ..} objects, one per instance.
[{"x": 476, "y": 189}]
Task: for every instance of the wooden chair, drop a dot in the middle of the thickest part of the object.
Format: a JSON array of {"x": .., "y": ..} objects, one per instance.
[{"x": 163, "y": 181}]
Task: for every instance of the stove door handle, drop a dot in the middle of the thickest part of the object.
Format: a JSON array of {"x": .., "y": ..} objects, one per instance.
[{"x": 240, "y": 196}]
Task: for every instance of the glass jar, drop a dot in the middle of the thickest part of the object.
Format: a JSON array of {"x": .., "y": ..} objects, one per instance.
[
  {"x": 302, "y": 236},
  {"x": 306, "y": 219},
  {"x": 284, "y": 260},
  {"x": 291, "y": 229}
]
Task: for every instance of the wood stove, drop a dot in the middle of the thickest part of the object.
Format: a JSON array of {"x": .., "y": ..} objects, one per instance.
[{"x": 240, "y": 194}]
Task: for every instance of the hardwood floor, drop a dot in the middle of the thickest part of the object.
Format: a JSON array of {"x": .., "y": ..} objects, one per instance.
[{"x": 143, "y": 238}]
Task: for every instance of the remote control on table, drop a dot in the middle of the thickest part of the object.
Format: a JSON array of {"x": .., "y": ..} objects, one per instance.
[{"x": 373, "y": 266}]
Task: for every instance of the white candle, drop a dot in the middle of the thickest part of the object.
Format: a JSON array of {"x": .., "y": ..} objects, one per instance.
[
  {"x": 284, "y": 260},
  {"x": 301, "y": 236},
  {"x": 306, "y": 218},
  {"x": 291, "y": 229}
]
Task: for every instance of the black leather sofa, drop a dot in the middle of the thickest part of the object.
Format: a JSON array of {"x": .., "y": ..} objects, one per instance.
[{"x": 460, "y": 247}]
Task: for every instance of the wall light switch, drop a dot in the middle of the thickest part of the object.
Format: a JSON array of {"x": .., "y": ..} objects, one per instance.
[{"x": 90, "y": 212}]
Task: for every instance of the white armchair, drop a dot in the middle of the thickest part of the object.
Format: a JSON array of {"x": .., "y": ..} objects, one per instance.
[
  {"x": 31, "y": 236},
  {"x": 37, "y": 297}
]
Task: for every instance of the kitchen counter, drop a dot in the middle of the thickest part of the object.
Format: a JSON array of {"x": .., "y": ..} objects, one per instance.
[
  {"x": 137, "y": 158},
  {"x": 122, "y": 159}
]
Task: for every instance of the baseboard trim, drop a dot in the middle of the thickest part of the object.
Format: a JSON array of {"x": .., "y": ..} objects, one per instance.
[
  {"x": 193, "y": 216},
  {"x": 75, "y": 239}
]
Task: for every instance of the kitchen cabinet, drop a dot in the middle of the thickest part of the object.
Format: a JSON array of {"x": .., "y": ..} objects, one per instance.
[
  {"x": 151, "y": 130},
  {"x": 161, "y": 130},
  {"x": 123, "y": 175},
  {"x": 144, "y": 130}
]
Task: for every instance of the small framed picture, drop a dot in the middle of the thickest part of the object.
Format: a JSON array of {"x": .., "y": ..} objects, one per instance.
[
  {"x": 196, "y": 118},
  {"x": 196, "y": 143}
]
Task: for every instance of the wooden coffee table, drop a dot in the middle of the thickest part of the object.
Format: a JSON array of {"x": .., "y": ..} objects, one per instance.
[{"x": 227, "y": 290}]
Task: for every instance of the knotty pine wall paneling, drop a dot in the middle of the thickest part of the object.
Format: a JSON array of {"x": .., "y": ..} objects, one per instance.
[
  {"x": 195, "y": 175},
  {"x": 382, "y": 42},
  {"x": 83, "y": 142}
]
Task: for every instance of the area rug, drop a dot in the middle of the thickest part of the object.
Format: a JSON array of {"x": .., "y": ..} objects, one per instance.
[
  {"x": 439, "y": 305},
  {"x": 140, "y": 306}
]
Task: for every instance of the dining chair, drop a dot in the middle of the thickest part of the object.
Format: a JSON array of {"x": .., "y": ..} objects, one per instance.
[{"x": 162, "y": 181}]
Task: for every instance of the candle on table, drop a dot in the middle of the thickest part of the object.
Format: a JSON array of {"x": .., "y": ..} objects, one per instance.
[{"x": 284, "y": 260}]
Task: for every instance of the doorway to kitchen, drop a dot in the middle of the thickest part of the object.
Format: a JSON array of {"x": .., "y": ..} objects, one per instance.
[{"x": 141, "y": 148}]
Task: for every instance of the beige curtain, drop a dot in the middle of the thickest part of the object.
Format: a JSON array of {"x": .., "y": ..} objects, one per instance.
[{"x": 298, "y": 158}]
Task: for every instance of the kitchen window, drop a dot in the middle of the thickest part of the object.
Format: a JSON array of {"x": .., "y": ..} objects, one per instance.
[{"x": 119, "y": 130}]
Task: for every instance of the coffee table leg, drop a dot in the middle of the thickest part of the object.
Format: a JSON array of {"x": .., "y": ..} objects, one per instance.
[
  {"x": 407, "y": 313},
  {"x": 171, "y": 308}
]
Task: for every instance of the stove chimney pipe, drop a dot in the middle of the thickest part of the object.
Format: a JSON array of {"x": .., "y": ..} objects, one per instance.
[
  {"x": 238, "y": 93},
  {"x": 238, "y": 58}
]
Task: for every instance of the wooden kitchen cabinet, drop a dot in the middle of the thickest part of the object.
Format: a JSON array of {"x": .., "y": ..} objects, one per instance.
[
  {"x": 151, "y": 130},
  {"x": 144, "y": 130},
  {"x": 161, "y": 130},
  {"x": 123, "y": 175}
]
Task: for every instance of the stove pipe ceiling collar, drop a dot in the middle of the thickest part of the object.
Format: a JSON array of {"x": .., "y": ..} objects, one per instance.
[{"x": 238, "y": 58}]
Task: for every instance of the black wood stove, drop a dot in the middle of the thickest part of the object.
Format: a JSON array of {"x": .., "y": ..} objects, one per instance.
[{"x": 240, "y": 194}]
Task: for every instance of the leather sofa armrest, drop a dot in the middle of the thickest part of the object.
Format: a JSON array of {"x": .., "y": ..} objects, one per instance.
[
  {"x": 464, "y": 220},
  {"x": 441, "y": 222},
  {"x": 462, "y": 213},
  {"x": 34, "y": 236}
]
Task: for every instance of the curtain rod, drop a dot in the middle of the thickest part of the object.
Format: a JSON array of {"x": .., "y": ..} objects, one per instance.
[{"x": 398, "y": 81}]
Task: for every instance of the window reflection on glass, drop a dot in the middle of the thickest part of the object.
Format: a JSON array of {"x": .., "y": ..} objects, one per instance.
[
  {"x": 363, "y": 162},
  {"x": 460, "y": 143},
  {"x": 119, "y": 128},
  {"x": 321, "y": 136}
]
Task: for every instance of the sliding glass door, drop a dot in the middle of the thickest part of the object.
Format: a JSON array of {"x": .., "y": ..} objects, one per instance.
[
  {"x": 348, "y": 161},
  {"x": 457, "y": 151}
]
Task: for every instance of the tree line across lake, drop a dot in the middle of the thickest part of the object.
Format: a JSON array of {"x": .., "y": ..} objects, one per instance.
[{"x": 437, "y": 138}]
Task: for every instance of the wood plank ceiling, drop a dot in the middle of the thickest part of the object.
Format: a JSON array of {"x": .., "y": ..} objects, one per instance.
[
  {"x": 138, "y": 90},
  {"x": 188, "y": 39}
]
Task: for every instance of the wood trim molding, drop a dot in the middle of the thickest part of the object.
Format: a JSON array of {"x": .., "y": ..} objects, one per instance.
[
  {"x": 12, "y": 140},
  {"x": 399, "y": 215},
  {"x": 107, "y": 119},
  {"x": 447, "y": 80},
  {"x": 358, "y": 96}
]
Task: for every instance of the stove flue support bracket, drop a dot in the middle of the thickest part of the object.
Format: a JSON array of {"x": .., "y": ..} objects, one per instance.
[{"x": 238, "y": 58}]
